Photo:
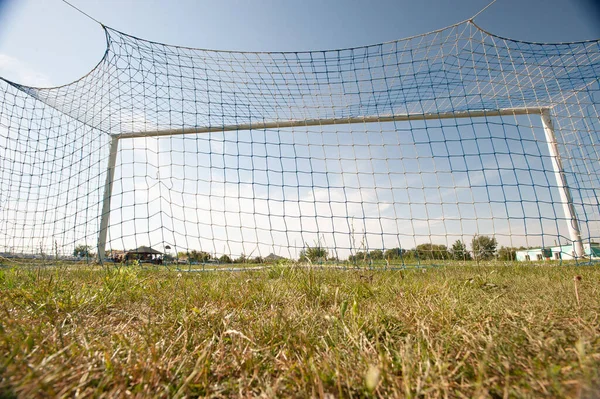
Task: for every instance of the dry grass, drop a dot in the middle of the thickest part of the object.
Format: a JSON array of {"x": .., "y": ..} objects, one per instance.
[{"x": 490, "y": 331}]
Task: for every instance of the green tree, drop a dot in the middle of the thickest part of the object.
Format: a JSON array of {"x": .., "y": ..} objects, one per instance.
[
  {"x": 483, "y": 247},
  {"x": 460, "y": 251},
  {"x": 394, "y": 253},
  {"x": 198, "y": 256},
  {"x": 409, "y": 254},
  {"x": 360, "y": 256},
  {"x": 432, "y": 251},
  {"x": 241, "y": 259},
  {"x": 507, "y": 253},
  {"x": 225, "y": 259},
  {"x": 82, "y": 251},
  {"x": 376, "y": 254}
]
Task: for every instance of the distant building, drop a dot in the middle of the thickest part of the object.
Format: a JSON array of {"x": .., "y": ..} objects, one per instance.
[
  {"x": 563, "y": 252},
  {"x": 117, "y": 255},
  {"x": 144, "y": 254}
]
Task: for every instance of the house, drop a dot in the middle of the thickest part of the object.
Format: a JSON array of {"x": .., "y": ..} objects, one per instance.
[
  {"x": 562, "y": 252},
  {"x": 144, "y": 254}
]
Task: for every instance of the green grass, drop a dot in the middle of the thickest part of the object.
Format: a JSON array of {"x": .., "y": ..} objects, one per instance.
[{"x": 454, "y": 331}]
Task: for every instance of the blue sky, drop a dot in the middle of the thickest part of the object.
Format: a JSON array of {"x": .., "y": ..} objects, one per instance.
[
  {"x": 47, "y": 42},
  {"x": 421, "y": 199}
]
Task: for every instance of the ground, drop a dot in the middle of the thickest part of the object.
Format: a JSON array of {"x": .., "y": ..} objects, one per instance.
[{"x": 496, "y": 330}]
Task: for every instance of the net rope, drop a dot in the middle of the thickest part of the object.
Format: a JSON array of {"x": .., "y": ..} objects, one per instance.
[{"x": 400, "y": 148}]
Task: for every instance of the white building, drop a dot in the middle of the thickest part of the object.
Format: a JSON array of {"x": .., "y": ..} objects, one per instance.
[{"x": 564, "y": 252}]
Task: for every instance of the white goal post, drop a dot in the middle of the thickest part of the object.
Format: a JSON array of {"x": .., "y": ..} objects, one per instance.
[{"x": 544, "y": 113}]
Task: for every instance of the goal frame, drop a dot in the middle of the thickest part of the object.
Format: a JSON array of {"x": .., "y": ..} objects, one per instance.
[{"x": 543, "y": 112}]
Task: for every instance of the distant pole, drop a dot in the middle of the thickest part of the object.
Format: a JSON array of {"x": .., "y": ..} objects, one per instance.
[
  {"x": 105, "y": 216},
  {"x": 563, "y": 188}
]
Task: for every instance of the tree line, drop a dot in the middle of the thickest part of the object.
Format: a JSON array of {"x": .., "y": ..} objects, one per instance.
[
  {"x": 482, "y": 248},
  {"x": 204, "y": 257}
]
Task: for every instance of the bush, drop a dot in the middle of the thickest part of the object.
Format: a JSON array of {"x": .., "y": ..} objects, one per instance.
[
  {"x": 314, "y": 254},
  {"x": 483, "y": 247}
]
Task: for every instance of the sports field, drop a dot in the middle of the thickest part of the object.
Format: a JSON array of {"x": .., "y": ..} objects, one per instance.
[{"x": 496, "y": 330}]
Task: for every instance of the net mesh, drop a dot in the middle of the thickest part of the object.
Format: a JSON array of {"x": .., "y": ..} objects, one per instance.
[{"x": 395, "y": 150}]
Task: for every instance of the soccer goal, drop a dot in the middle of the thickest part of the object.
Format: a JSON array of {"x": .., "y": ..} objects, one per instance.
[{"x": 455, "y": 144}]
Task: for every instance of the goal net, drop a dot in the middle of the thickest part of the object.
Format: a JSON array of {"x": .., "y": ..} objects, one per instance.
[{"x": 449, "y": 145}]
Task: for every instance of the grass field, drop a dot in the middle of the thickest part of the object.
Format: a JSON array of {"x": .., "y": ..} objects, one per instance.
[{"x": 454, "y": 331}]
